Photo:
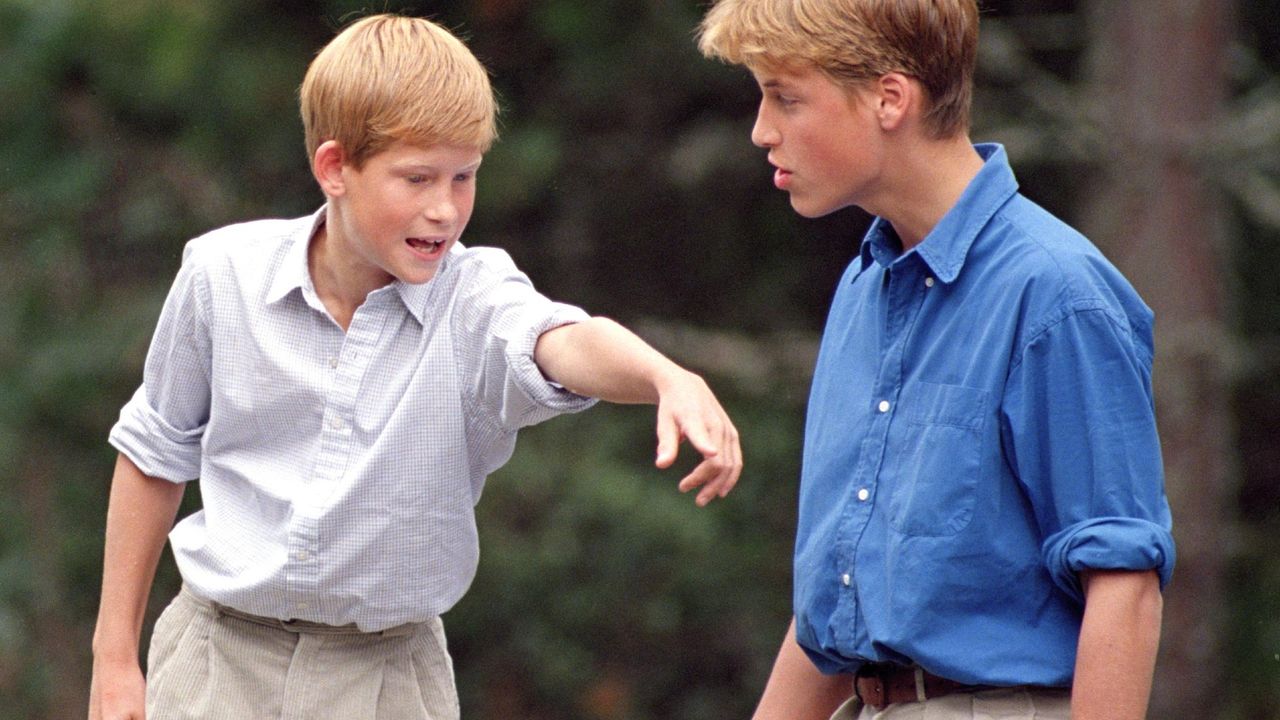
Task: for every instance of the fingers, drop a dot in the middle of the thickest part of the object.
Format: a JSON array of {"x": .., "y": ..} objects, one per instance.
[
  {"x": 668, "y": 440},
  {"x": 721, "y": 466},
  {"x": 688, "y": 410},
  {"x": 715, "y": 475}
]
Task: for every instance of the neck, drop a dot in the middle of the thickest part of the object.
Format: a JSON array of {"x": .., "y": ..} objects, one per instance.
[
  {"x": 342, "y": 282},
  {"x": 927, "y": 179}
]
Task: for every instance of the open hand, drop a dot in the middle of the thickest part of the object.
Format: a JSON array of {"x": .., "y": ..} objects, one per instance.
[{"x": 688, "y": 410}]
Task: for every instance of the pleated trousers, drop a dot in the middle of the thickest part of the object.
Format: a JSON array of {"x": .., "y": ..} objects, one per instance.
[{"x": 209, "y": 663}]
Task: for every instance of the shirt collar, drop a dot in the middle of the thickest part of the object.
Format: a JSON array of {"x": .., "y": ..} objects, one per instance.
[
  {"x": 417, "y": 297},
  {"x": 945, "y": 247},
  {"x": 294, "y": 273}
]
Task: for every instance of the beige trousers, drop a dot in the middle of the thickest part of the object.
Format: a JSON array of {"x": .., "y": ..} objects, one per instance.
[
  {"x": 1001, "y": 704},
  {"x": 206, "y": 664}
]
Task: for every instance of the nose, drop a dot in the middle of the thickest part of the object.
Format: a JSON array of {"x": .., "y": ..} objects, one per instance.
[
  {"x": 441, "y": 208},
  {"x": 763, "y": 133}
]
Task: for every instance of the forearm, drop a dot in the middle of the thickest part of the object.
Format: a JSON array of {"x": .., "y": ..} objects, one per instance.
[
  {"x": 797, "y": 690},
  {"x": 140, "y": 513},
  {"x": 600, "y": 358},
  {"x": 1119, "y": 638}
]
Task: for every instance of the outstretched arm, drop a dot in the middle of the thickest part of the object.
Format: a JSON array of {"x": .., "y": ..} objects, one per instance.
[
  {"x": 797, "y": 690},
  {"x": 1118, "y": 642},
  {"x": 139, "y": 515},
  {"x": 600, "y": 358}
]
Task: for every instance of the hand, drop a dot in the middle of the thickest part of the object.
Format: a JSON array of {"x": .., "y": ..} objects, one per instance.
[
  {"x": 687, "y": 409},
  {"x": 117, "y": 691}
]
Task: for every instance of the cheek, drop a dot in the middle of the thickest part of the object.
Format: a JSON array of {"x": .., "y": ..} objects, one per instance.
[
  {"x": 465, "y": 202},
  {"x": 807, "y": 145},
  {"x": 389, "y": 205},
  {"x": 835, "y": 157}
]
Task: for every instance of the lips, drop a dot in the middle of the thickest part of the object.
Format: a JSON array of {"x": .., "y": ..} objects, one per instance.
[
  {"x": 781, "y": 175},
  {"x": 782, "y": 178}
]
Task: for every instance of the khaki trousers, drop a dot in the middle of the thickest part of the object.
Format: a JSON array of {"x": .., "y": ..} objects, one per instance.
[
  {"x": 207, "y": 664},
  {"x": 1000, "y": 704}
]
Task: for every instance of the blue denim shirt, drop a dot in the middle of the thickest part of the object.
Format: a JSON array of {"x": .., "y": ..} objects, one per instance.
[{"x": 980, "y": 429}]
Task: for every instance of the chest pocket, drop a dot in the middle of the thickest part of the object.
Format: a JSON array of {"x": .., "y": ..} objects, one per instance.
[{"x": 934, "y": 459}]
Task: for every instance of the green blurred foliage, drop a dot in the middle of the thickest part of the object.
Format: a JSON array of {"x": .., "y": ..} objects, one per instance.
[
  {"x": 128, "y": 128},
  {"x": 624, "y": 181},
  {"x": 603, "y": 593}
]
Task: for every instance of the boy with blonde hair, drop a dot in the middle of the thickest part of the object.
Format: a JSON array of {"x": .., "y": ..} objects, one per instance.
[
  {"x": 342, "y": 384},
  {"x": 983, "y": 530}
]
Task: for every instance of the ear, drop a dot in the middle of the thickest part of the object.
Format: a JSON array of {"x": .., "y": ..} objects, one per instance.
[
  {"x": 897, "y": 98},
  {"x": 327, "y": 166}
]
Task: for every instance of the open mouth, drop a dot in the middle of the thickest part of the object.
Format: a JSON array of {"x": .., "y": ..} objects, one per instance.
[{"x": 430, "y": 247}]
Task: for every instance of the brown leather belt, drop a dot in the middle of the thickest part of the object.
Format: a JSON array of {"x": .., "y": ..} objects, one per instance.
[
  {"x": 313, "y": 628},
  {"x": 883, "y": 684},
  {"x": 298, "y": 626}
]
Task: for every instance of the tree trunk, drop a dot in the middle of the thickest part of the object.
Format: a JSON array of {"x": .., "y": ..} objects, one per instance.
[{"x": 1159, "y": 85}]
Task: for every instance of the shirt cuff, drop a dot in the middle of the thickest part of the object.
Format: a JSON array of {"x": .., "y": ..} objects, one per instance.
[
  {"x": 1114, "y": 543},
  {"x": 156, "y": 447},
  {"x": 549, "y": 398}
]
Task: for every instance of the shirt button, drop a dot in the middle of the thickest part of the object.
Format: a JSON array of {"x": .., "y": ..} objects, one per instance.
[
  {"x": 863, "y": 494},
  {"x": 302, "y": 555},
  {"x": 883, "y": 406},
  {"x": 928, "y": 282},
  {"x": 846, "y": 579},
  {"x": 333, "y": 362},
  {"x": 336, "y": 423},
  {"x": 302, "y": 606}
]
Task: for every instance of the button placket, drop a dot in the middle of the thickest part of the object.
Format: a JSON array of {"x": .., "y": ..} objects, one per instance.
[{"x": 904, "y": 293}]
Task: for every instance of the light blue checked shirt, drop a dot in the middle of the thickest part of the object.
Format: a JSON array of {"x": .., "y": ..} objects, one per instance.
[{"x": 338, "y": 472}]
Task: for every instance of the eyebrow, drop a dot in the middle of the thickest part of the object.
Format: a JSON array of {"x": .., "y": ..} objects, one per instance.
[{"x": 422, "y": 168}]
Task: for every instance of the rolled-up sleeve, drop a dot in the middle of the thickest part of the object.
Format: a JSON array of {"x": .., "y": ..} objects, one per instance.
[
  {"x": 1079, "y": 427},
  {"x": 502, "y": 317},
  {"x": 161, "y": 427},
  {"x": 1112, "y": 543}
]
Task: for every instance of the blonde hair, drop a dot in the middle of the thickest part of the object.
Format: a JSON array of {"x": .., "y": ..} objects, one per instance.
[
  {"x": 389, "y": 78},
  {"x": 852, "y": 41}
]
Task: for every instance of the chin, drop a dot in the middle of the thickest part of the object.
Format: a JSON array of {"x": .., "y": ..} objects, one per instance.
[
  {"x": 417, "y": 277},
  {"x": 812, "y": 211},
  {"x": 816, "y": 207}
]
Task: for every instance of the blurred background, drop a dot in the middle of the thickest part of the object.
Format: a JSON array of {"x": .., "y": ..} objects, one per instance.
[{"x": 625, "y": 182}]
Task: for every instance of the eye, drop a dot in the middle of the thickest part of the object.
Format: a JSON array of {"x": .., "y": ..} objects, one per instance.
[
  {"x": 464, "y": 176},
  {"x": 415, "y": 179},
  {"x": 781, "y": 100}
]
